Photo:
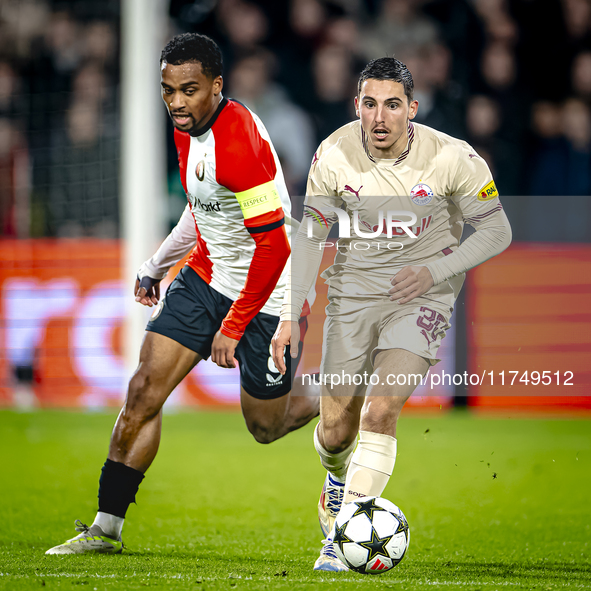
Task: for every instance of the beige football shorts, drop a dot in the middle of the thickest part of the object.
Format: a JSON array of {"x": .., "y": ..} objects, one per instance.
[{"x": 357, "y": 327}]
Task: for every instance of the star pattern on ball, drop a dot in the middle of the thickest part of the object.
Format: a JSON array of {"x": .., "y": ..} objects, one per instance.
[
  {"x": 402, "y": 524},
  {"x": 340, "y": 537},
  {"x": 366, "y": 508},
  {"x": 376, "y": 546}
]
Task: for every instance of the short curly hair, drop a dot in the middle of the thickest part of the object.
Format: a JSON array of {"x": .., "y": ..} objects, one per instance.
[
  {"x": 192, "y": 47},
  {"x": 388, "y": 68}
]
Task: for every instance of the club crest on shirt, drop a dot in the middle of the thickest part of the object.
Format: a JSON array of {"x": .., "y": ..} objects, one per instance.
[
  {"x": 421, "y": 194},
  {"x": 200, "y": 170}
]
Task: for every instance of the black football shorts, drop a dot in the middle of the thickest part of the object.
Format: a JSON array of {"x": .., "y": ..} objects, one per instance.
[{"x": 192, "y": 312}]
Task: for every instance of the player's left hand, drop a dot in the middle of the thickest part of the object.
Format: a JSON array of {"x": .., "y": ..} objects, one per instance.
[
  {"x": 410, "y": 283},
  {"x": 147, "y": 291},
  {"x": 222, "y": 350},
  {"x": 287, "y": 333}
]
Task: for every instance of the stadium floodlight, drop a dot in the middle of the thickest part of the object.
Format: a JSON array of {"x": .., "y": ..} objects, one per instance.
[{"x": 143, "y": 161}]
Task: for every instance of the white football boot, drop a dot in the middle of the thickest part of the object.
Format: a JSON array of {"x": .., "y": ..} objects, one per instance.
[
  {"x": 91, "y": 540},
  {"x": 328, "y": 560},
  {"x": 329, "y": 505}
]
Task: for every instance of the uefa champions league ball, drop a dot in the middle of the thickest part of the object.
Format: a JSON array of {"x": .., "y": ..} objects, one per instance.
[{"x": 371, "y": 535}]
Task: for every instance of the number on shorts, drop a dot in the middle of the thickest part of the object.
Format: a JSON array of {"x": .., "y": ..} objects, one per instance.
[{"x": 431, "y": 322}]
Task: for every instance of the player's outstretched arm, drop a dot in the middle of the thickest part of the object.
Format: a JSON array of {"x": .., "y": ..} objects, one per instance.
[
  {"x": 174, "y": 248},
  {"x": 306, "y": 257},
  {"x": 492, "y": 237}
]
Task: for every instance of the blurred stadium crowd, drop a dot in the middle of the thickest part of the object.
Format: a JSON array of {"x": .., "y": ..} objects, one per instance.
[
  {"x": 59, "y": 130},
  {"x": 512, "y": 77}
]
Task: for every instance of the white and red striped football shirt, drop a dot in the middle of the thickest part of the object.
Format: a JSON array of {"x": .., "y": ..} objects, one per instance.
[{"x": 241, "y": 211}]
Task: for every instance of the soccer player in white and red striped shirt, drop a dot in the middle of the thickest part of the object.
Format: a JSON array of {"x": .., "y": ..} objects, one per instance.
[{"x": 226, "y": 301}]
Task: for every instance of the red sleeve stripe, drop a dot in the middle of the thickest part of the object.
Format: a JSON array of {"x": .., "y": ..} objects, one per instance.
[
  {"x": 479, "y": 218},
  {"x": 270, "y": 255}
]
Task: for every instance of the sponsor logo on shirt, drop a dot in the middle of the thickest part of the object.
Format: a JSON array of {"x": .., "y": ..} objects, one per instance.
[
  {"x": 356, "y": 193},
  {"x": 488, "y": 192},
  {"x": 209, "y": 206},
  {"x": 421, "y": 194}
]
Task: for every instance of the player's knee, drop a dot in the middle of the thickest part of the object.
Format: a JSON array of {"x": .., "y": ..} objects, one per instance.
[
  {"x": 383, "y": 419},
  {"x": 337, "y": 439},
  {"x": 263, "y": 433}
]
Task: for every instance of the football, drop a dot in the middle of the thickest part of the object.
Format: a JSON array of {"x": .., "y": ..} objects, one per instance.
[{"x": 371, "y": 535}]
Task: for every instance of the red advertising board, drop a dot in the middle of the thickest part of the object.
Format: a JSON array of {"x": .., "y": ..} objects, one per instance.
[
  {"x": 529, "y": 327},
  {"x": 62, "y": 305}
]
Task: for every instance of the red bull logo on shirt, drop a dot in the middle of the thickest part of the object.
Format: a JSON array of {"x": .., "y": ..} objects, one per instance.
[{"x": 421, "y": 194}]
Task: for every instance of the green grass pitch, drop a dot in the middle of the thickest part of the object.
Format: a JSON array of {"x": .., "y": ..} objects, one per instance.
[{"x": 492, "y": 504}]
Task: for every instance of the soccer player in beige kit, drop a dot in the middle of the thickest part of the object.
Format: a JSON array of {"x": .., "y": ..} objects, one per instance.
[{"x": 392, "y": 290}]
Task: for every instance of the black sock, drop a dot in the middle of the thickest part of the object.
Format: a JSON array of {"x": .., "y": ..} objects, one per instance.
[{"x": 118, "y": 486}]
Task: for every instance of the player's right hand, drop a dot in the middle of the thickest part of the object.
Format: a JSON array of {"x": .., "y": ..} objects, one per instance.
[
  {"x": 287, "y": 333},
  {"x": 147, "y": 291}
]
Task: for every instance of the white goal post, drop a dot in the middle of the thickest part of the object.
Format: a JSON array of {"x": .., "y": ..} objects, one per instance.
[{"x": 144, "y": 24}]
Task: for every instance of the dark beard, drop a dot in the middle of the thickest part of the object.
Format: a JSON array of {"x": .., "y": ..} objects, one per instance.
[{"x": 192, "y": 128}]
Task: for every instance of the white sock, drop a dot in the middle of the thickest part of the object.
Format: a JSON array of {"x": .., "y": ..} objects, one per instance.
[
  {"x": 110, "y": 524},
  {"x": 371, "y": 466},
  {"x": 338, "y": 463}
]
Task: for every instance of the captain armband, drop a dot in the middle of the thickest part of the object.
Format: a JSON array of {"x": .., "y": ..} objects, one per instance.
[{"x": 259, "y": 200}]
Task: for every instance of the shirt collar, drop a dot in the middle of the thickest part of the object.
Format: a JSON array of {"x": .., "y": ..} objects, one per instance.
[
  {"x": 212, "y": 119},
  {"x": 411, "y": 136}
]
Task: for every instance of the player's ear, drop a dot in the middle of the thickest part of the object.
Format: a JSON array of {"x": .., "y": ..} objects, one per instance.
[
  {"x": 218, "y": 84},
  {"x": 357, "y": 107},
  {"x": 413, "y": 108}
]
